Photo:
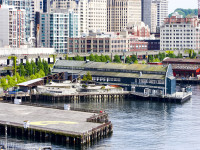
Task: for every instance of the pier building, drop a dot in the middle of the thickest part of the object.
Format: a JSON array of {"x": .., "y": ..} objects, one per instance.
[
  {"x": 184, "y": 67},
  {"x": 153, "y": 79}
]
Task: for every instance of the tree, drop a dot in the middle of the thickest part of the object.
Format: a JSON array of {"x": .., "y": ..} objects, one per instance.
[
  {"x": 34, "y": 67},
  {"x": 108, "y": 58},
  {"x": 11, "y": 81},
  {"x": 117, "y": 59},
  {"x": 38, "y": 75},
  {"x": 84, "y": 78},
  {"x": 78, "y": 58},
  {"x": 191, "y": 52},
  {"x": 103, "y": 58},
  {"x": 46, "y": 67},
  {"x": 97, "y": 58},
  {"x": 40, "y": 65},
  {"x": 194, "y": 55},
  {"x": 91, "y": 57},
  {"x": 33, "y": 76},
  {"x": 134, "y": 58},
  {"x": 143, "y": 62},
  {"x": 136, "y": 62},
  {"x": 156, "y": 60},
  {"x": 66, "y": 57},
  {"x": 29, "y": 69},
  {"x": 21, "y": 70},
  {"x": 185, "y": 12},
  {"x": 41, "y": 73},
  {"x": 170, "y": 54},
  {"x": 4, "y": 84},
  {"x": 161, "y": 56},
  {"x": 150, "y": 58},
  {"x": 128, "y": 60},
  {"x": 88, "y": 76}
]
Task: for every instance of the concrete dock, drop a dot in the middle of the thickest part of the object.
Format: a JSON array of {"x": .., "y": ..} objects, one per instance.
[{"x": 63, "y": 126}]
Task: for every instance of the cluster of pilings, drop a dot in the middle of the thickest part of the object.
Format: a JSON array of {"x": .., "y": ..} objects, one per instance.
[
  {"x": 55, "y": 136},
  {"x": 100, "y": 118},
  {"x": 79, "y": 97}
]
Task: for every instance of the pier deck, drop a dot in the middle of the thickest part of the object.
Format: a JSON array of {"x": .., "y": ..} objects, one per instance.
[{"x": 63, "y": 122}]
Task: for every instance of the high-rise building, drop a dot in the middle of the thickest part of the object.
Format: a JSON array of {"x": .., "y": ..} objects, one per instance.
[
  {"x": 198, "y": 8},
  {"x": 149, "y": 14},
  {"x": 64, "y": 4},
  {"x": 97, "y": 15},
  {"x": 55, "y": 28},
  {"x": 162, "y": 11},
  {"x": 93, "y": 13},
  {"x": 122, "y": 12},
  {"x": 12, "y": 25},
  {"x": 178, "y": 33},
  {"x": 46, "y": 5},
  {"x": 31, "y": 7},
  {"x": 26, "y": 5},
  {"x": 83, "y": 12}
]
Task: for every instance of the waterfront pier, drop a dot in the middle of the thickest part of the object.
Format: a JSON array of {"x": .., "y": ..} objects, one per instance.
[
  {"x": 71, "y": 97},
  {"x": 53, "y": 125}
]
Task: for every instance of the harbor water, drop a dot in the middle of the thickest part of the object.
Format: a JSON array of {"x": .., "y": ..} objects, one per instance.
[{"x": 145, "y": 125}]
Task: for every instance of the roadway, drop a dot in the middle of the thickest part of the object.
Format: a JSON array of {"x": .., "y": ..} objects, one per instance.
[{"x": 3, "y": 58}]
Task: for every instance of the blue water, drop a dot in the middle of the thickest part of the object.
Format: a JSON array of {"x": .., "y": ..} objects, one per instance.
[
  {"x": 151, "y": 126},
  {"x": 143, "y": 125}
]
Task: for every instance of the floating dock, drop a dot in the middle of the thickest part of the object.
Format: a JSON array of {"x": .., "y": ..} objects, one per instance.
[
  {"x": 53, "y": 125},
  {"x": 179, "y": 97}
]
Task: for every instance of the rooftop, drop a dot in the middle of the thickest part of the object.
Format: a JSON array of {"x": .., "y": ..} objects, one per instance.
[
  {"x": 104, "y": 65},
  {"x": 181, "y": 60},
  {"x": 31, "y": 82}
]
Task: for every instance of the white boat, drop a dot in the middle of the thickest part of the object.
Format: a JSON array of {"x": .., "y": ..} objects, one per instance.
[{"x": 64, "y": 88}]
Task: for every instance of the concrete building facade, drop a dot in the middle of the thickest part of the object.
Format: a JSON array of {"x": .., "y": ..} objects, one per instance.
[
  {"x": 12, "y": 25},
  {"x": 122, "y": 12},
  {"x": 180, "y": 33},
  {"x": 97, "y": 15},
  {"x": 106, "y": 43}
]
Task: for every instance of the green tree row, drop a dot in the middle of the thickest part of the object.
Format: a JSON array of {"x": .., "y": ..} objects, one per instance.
[
  {"x": 96, "y": 58},
  {"x": 170, "y": 54},
  {"x": 32, "y": 68}
]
